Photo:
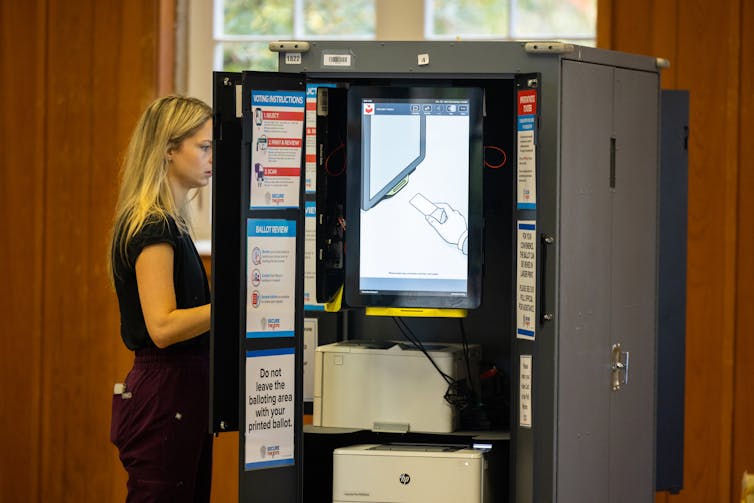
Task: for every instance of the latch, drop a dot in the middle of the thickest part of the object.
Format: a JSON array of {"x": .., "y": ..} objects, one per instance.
[{"x": 618, "y": 368}]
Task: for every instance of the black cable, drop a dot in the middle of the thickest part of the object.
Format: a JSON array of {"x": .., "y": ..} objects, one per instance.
[
  {"x": 467, "y": 357},
  {"x": 405, "y": 330},
  {"x": 457, "y": 394}
]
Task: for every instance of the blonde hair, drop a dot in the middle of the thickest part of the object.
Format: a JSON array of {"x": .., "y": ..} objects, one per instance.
[{"x": 144, "y": 189}]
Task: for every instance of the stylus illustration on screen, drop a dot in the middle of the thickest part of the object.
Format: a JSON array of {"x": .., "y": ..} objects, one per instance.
[
  {"x": 372, "y": 192},
  {"x": 449, "y": 223}
]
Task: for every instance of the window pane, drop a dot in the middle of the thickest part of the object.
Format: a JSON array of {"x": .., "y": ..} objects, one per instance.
[
  {"x": 470, "y": 17},
  {"x": 336, "y": 17},
  {"x": 542, "y": 18},
  {"x": 240, "y": 56},
  {"x": 258, "y": 17}
]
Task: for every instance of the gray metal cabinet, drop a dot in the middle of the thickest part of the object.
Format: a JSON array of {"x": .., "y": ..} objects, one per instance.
[{"x": 590, "y": 436}]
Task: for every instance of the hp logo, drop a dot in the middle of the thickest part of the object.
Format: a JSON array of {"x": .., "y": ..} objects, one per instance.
[{"x": 405, "y": 478}]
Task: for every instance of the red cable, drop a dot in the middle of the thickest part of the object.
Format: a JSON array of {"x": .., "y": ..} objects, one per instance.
[
  {"x": 496, "y": 166},
  {"x": 327, "y": 161}
]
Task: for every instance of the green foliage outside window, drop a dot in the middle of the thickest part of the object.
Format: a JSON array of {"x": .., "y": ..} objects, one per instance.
[
  {"x": 336, "y": 17},
  {"x": 470, "y": 17},
  {"x": 258, "y": 17},
  {"x": 560, "y": 17}
]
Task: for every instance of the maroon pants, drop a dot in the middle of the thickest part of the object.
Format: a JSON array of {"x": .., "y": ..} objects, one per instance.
[{"x": 160, "y": 426}]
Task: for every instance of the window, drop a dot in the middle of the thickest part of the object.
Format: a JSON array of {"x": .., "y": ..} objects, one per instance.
[
  {"x": 244, "y": 28},
  {"x": 570, "y": 20},
  {"x": 233, "y": 35}
]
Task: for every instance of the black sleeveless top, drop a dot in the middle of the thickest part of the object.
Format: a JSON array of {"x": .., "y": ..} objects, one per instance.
[{"x": 189, "y": 281}]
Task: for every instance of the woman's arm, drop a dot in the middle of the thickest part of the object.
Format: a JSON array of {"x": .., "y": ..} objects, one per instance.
[{"x": 165, "y": 323}]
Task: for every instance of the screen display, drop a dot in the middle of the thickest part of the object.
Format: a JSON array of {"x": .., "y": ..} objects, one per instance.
[{"x": 417, "y": 179}]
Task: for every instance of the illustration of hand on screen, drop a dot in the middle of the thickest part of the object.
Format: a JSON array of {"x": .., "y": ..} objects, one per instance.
[{"x": 450, "y": 225}]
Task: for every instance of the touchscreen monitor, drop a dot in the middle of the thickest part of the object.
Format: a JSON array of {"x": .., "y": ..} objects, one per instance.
[{"x": 414, "y": 198}]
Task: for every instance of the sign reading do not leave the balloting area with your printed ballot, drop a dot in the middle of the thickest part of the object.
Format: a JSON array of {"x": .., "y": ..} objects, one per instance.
[{"x": 270, "y": 408}]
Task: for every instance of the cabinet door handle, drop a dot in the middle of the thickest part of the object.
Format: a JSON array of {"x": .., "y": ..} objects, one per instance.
[
  {"x": 546, "y": 241},
  {"x": 619, "y": 367}
]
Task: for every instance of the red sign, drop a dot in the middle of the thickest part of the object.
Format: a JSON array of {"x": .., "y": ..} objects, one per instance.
[
  {"x": 284, "y": 142},
  {"x": 272, "y": 115},
  {"x": 282, "y": 171},
  {"x": 527, "y": 102}
]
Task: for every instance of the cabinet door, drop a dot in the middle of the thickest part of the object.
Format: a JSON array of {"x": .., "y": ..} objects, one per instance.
[
  {"x": 671, "y": 332},
  {"x": 257, "y": 363},
  {"x": 633, "y": 284},
  {"x": 226, "y": 268},
  {"x": 583, "y": 396},
  {"x": 607, "y": 292}
]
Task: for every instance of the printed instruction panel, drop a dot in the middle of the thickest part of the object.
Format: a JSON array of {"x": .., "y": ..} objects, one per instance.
[
  {"x": 526, "y": 153},
  {"x": 310, "y": 258},
  {"x": 526, "y": 279},
  {"x": 277, "y": 142},
  {"x": 270, "y": 399},
  {"x": 270, "y": 278}
]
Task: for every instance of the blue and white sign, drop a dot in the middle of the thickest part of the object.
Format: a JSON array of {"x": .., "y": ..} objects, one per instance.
[
  {"x": 270, "y": 278},
  {"x": 310, "y": 258},
  {"x": 270, "y": 408},
  {"x": 526, "y": 280}
]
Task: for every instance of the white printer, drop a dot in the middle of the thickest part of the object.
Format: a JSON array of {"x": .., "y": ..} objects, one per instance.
[
  {"x": 409, "y": 474},
  {"x": 388, "y": 386}
]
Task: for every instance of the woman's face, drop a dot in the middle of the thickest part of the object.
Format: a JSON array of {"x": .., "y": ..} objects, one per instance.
[{"x": 190, "y": 165}]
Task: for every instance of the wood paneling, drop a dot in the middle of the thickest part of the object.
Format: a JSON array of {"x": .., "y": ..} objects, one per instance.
[
  {"x": 76, "y": 75},
  {"x": 743, "y": 426},
  {"x": 709, "y": 45},
  {"x": 22, "y": 133},
  {"x": 225, "y": 463}
]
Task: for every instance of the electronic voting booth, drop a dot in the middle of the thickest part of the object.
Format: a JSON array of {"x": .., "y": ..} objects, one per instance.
[{"x": 435, "y": 265}]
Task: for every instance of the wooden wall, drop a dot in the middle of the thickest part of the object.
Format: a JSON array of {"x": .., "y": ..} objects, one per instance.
[
  {"x": 711, "y": 49},
  {"x": 75, "y": 76}
]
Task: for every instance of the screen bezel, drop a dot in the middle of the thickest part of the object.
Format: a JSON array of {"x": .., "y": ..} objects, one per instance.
[{"x": 354, "y": 199}]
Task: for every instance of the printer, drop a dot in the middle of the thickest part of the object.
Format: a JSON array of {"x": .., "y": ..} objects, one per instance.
[
  {"x": 388, "y": 385},
  {"x": 410, "y": 473}
]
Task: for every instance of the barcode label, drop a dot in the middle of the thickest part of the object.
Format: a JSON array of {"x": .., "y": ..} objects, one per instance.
[{"x": 337, "y": 60}]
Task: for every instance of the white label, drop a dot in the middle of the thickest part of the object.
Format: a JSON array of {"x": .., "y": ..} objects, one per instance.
[
  {"x": 524, "y": 392},
  {"x": 336, "y": 60},
  {"x": 526, "y": 279},
  {"x": 277, "y": 143},
  {"x": 270, "y": 407},
  {"x": 422, "y": 59},
  {"x": 239, "y": 101},
  {"x": 270, "y": 278},
  {"x": 310, "y": 345},
  {"x": 292, "y": 58}
]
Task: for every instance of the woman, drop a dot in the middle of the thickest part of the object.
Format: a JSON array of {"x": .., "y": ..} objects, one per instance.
[{"x": 160, "y": 414}]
